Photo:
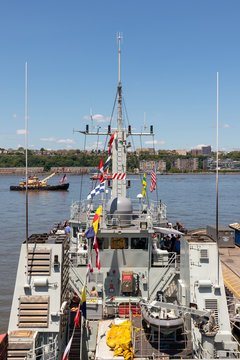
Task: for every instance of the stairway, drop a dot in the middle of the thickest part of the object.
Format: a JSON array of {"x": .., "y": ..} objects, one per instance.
[
  {"x": 163, "y": 283},
  {"x": 74, "y": 353}
]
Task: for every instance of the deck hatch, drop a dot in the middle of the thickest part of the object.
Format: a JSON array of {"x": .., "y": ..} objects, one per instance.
[
  {"x": 33, "y": 311},
  {"x": 39, "y": 262}
]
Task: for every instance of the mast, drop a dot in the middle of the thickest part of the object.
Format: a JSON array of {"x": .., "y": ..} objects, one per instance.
[
  {"x": 119, "y": 145},
  {"x": 26, "y": 170},
  {"x": 119, "y": 156},
  {"x": 218, "y": 260}
]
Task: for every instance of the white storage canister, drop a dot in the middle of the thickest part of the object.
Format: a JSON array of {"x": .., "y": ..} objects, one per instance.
[
  {"x": 204, "y": 283},
  {"x": 40, "y": 282}
]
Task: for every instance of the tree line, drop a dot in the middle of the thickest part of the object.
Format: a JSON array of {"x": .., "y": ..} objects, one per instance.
[{"x": 82, "y": 159}]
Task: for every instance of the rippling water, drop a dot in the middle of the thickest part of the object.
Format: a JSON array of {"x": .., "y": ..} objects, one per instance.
[{"x": 190, "y": 199}]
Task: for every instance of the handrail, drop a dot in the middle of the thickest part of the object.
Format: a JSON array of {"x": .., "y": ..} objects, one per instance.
[
  {"x": 49, "y": 350},
  {"x": 75, "y": 273},
  {"x": 171, "y": 261}
]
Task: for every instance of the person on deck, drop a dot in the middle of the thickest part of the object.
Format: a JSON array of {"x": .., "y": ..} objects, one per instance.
[
  {"x": 172, "y": 243},
  {"x": 165, "y": 243},
  {"x": 67, "y": 228},
  {"x": 93, "y": 292},
  {"x": 178, "y": 245}
]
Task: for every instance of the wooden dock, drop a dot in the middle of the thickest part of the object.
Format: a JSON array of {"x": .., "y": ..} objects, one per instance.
[{"x": 230, "y": 260}]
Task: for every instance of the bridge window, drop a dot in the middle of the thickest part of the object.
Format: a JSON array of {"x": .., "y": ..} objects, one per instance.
[
  {"x": 139, "y": 243},
  {"x": 119, "y": 243},
  {"x": 103, "y": 243}
]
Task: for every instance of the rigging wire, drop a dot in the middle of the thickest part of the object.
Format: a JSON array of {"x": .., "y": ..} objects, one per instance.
[
  {"x": 114, "y": 105},
  {"x": 105, "y": 144},
  {"x": 155, "y": 168},
  {"x": 134, "y": 148},
  {"x": 81, "y": 180}
]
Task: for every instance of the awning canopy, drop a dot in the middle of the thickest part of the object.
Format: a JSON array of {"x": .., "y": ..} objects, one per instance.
[{"x": 168, "y": 231}]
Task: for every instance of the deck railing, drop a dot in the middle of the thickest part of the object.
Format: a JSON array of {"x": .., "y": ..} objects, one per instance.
[
  {"x": 45, "y": 352},
  {"x": 152, "y": 212}
]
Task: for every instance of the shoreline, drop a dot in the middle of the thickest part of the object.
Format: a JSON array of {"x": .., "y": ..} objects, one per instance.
[{"x": 32, "y": 171}]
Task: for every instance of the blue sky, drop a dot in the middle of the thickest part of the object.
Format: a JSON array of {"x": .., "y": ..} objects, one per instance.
[{"x": 171, "y": 52}]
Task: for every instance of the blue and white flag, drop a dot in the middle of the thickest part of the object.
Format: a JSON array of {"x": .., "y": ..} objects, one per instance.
[
  {"x": 107, "y": 162},
  {"x": 98, "y": 189}
]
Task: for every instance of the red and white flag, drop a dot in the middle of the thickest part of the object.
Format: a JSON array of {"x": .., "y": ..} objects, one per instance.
[
  {"x": 77, "y": 317},
  {"x": 95, "y": 245},
  {"x": 103, "y": 176},
  {"x": 64, "y": 178},
  {"x": 153, "y": 179},
  {"x": 111, "y": 141},
  {"x": 68, "y": 347},
  {"x": 98, "y": 262},
  {"x": 101, "y": 166},
  {"x": 90, "y": 267}
]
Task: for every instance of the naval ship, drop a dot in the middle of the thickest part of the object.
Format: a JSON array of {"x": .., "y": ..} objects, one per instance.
[{"x": 139, "y": 302}]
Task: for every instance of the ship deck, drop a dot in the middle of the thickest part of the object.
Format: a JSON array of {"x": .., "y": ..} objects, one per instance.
[{"x": 103, "y": 351}]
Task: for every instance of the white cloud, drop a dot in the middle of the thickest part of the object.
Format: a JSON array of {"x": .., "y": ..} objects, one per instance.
[
  {"x": 151, "y": 142},
  {"x": 50, "y": 139},
  {"x": 226, "y": 126},
  {"x": 21, "y": 132},
  {"x": 162, "y": 142},
  {"x": 200, "y": 146},
  {"x": 99, "y": 118},
  {"x": 95, "y": 146},
  {"x": 65, "y": 141},
  {"x": 60, "y": 141},
  {"x": 14, "y": 116}
]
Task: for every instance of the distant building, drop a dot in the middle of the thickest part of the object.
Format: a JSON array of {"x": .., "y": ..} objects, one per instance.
[
  {"x": 149, "y": 150},
  {"x": 147, "y": 165},
  {"x": 227, "y": 164},
  {"x": 196, "y": 152},
  {"x": 207, "y": 150},
  {"x": 182, "y": 152},
  {"x": 186, "y": 164},
  {"x": 204, "y": 150}
]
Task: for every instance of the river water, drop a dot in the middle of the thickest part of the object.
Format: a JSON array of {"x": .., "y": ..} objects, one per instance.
[{"x": 190, "y": 199}]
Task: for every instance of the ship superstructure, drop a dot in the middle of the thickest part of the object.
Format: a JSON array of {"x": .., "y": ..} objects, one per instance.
[{"x": 173, "y": 306}]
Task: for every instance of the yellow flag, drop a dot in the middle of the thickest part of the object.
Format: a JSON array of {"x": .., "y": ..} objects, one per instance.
[
  {"x": 144, "y": 183},
  {"x": 96, "y": 219}
]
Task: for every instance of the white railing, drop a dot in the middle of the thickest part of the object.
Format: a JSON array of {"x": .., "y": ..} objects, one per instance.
[
  {"x": 140, "y": 208},
  {"x": 171, "y": 264},
  {"x": 45, "y": 352}
]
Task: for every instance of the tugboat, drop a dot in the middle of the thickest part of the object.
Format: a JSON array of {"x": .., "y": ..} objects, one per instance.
[
  {"x": 136, "y": 303},
  {"x": 34, "y": 183}
]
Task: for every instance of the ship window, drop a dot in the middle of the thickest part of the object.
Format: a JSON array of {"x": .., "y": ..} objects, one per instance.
[
  {"x": 119, "y": 243},
  {"x": 139, "y": 243},
  {"x": 74, "y": 231},
  {"x": 103, "y": 243}
]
